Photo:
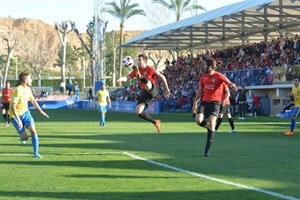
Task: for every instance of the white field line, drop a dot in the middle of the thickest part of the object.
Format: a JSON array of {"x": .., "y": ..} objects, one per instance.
[
  {"x": 15, "y": 154},
  {"x": 86, "y": 153},
  {"x": 211, "y": 178},
  {"x": 172, "y": 168}
]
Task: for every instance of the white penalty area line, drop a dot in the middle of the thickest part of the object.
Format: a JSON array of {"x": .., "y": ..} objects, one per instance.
[
  {"x": 211, "y": 178},
  {"x": 15, "y": 154}
]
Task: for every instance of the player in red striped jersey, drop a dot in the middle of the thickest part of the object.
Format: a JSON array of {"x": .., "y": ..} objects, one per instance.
[
  {"x": 210, "y": 92},
  {"x": 147, "y": 76}
]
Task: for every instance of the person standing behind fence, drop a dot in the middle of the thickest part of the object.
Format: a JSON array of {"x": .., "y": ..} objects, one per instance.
[
  {"x": 20, "y": 114},
  {"x": 103, "y": 99},
  {"x": 252, "y": 103},
  {"x": 241, "y": 99},
  {"x": 296, "y": 111},
  {"x": 69, "y": 87},
  {"x": 224, "y": 109},
  {"x": 90, "y": 93},
  {"x": 6, "y": 95},
  {"x": 62, "y": 87},
  {"x": 233, "y": 104},
  {"x": 76, "y": 91}
]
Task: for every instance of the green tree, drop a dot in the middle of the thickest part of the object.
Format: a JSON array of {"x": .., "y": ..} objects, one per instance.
[
  {"x": 179, "y": 6},
  {"x": 123, "y": 12}
]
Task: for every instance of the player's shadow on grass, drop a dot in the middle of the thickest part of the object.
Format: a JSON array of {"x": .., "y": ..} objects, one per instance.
[
  {"x": 66, "y": 115},
  {"x": 134, "y": 195},
  {"x": 122, "y": 176}
]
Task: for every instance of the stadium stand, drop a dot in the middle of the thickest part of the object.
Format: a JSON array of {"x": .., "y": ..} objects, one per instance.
[
  {"x": 258, "y": 49},
  {"x": 249, "y": 65}
]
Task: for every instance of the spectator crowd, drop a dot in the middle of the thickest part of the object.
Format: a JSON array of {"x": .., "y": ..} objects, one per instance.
[{"x": 250, "y": 64}]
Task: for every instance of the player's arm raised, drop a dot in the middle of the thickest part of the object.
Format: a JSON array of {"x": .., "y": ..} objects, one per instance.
[{"x": 123, "y": 79}]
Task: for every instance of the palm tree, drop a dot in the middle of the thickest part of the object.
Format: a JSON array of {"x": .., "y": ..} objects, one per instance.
[
  {"x": 122, "y": 13},
  {"x": 179, "y": 6}
]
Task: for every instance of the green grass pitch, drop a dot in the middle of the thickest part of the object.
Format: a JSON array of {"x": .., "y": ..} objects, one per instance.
[{"x": 127, "y": 159}]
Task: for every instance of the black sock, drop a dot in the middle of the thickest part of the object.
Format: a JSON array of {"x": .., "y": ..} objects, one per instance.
[
  {"x": 203, "y": 123},
  {"x": 219, "y": 121},
  {"x": 144, "y": 80},
  {"x": 4, "y": 116},
  {"x": 230, "y": 120},
  {"x": 146, "y": 117},
  {"x": 209, "y": 141}
]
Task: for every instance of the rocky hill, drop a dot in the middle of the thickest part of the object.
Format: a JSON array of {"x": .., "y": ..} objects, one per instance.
[{"x": 30, "y": 32}]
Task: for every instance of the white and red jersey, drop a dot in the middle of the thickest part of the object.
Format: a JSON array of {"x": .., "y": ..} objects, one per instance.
[
  {"x": 211, "y": 86},
  {"x": 6, "y": 95}
]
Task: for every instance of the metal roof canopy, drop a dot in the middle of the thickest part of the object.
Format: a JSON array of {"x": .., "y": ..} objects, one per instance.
[{"x": 232, "y": 25}]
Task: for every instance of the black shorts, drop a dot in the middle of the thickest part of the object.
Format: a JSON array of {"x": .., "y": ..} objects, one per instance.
[
  {"x": 146, "y": 96},
  {"x": 209, "y": 108},
  {"x": 224, "y": 109},
  {"x": 5, "y": 106}
]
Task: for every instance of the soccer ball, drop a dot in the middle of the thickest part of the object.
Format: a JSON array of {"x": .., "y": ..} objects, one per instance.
[{"x": 127, "y": 61}]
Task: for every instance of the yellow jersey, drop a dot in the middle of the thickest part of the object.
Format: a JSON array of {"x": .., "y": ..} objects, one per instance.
[
  {"x": 20, "y": 97},
  {"x": 296, "y": 94},
  {"x": 102, "y": 96}
]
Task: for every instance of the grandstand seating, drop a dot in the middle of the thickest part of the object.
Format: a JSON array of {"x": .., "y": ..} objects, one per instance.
[{"x": 249, "y": 65}]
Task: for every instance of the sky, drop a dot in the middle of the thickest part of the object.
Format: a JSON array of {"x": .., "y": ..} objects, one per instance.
[{"x": 82, "y": 11}]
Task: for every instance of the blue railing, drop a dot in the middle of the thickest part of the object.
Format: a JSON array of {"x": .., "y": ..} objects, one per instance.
[{"x": 257, "y": 76}]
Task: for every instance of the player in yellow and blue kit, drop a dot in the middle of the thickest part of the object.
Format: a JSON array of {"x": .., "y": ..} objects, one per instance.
[
  {"x": 103, "y": 99},
  {"x": 20, "y": 114},
  {"x": 296, "y": 111}
]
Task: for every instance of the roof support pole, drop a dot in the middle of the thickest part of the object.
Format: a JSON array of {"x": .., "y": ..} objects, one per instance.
[
  {"x": 265, "y": 32},
  {"x": 243, "y": 28},
  {"x": 191, "y": 46},
  {"x": 191, "y": 49},
  {"x": 206, "y": 36},
  {"x": 223, "y": 42},
  {"x": 281, "y": 31}
]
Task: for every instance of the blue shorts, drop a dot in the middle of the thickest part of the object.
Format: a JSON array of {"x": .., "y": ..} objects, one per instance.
[
  {"x": 26, "y": 119},
  {"x": 102, "y": 108},
  {"x": 295, "y": 111}
]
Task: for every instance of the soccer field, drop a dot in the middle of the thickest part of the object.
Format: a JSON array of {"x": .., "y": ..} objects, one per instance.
[{"x": 128, "y": 159}]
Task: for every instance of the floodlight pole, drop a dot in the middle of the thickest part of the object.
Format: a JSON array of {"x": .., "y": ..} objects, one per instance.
[
  {"x": 114, "y": 58},
  {"x": 83, "y": 73}
]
